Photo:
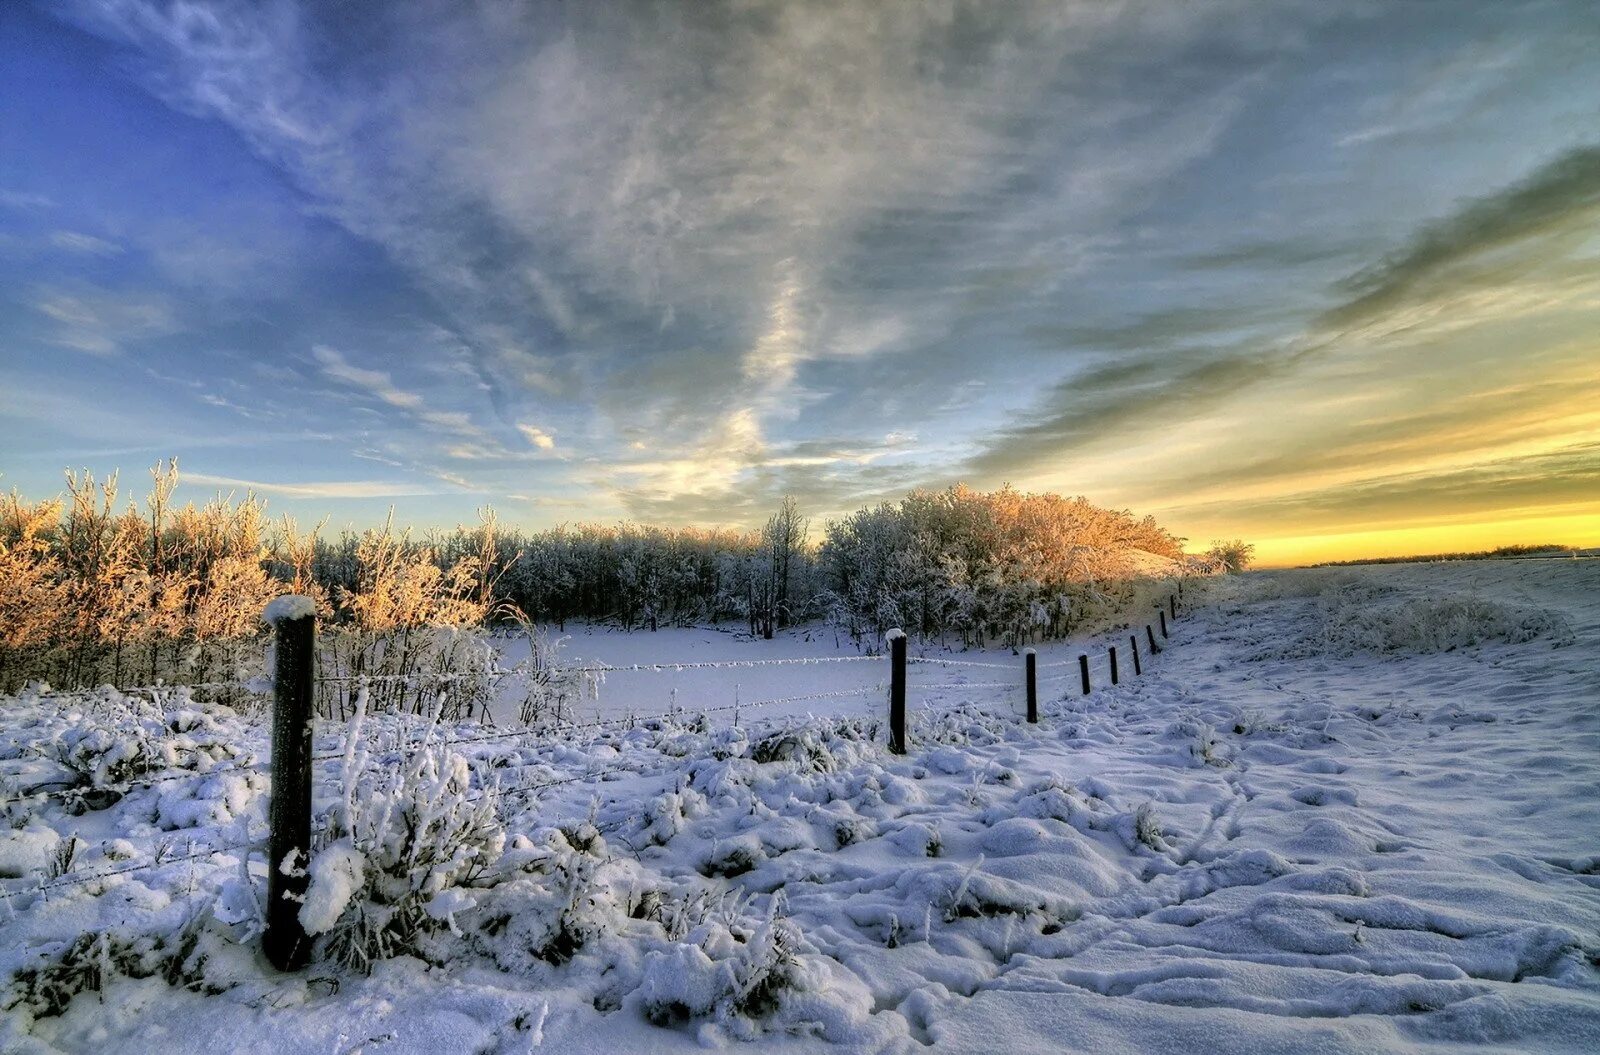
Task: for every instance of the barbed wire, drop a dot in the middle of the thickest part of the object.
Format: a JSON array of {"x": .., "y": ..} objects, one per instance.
[
  {"x": 124, "y": 786},
  {"x": 971, "y": 685},
  {"x": 251, "y": 686},
  {"x": 959, "y": 662},
  {"x": 622, "y": 720},
  {"x": 729, "y": 664},
  {"x": 90, "y": 877}
]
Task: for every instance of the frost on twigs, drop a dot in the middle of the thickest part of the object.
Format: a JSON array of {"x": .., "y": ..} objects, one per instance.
[
  {"x": 408, "y": 840},
  {"x": 288, "y": 606}
]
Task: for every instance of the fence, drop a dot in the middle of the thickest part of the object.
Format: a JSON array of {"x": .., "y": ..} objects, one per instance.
[{"x": 290, "y": 810}]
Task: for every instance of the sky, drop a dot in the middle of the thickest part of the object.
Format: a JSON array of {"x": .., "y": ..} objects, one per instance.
[{"x": 1324, "y": 276}]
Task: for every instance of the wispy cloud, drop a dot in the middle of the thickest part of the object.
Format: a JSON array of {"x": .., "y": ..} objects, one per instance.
[
  {"x": 353, "y": 489},
  {"x": 379, "y": 385},
  {"x": 679, "y": 259},
  {"x": 99, "y": 322},
  {"x": 1560, "y": 200},
  {"x": 88, "y": 244}
]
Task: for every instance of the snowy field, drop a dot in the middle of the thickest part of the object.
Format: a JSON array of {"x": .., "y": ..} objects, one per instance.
[{"x": 1354, "y": 810}]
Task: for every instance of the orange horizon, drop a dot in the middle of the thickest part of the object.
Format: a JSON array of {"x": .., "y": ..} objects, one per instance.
[{"x": 1581, "y": 530}]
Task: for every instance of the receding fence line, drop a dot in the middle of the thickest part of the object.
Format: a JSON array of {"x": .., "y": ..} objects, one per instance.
[{"x": 285, "y": 942}]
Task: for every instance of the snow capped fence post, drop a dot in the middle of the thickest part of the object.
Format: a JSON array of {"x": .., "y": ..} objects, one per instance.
[
  {"x": 1111, "y": 653},
  {"x": 1083, "y": 669},
  {"x": 1133, "y": 644},
  {"x": 1031, "y": 661},
  {"x": 897, "y": 691},
  {"x": 1163, "y": 616},
  {"x": 294, "y": 619}
]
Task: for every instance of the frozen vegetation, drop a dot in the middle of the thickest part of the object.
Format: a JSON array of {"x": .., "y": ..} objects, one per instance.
[{"x": 1342, "y": 811}]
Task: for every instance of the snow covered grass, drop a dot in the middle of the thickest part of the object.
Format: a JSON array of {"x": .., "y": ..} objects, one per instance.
[
  {"x": 1249, "y": 848},
  {"x": 1358, "y": 612}
]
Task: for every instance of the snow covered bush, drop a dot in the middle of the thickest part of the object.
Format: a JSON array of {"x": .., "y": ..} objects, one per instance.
[
  {"x": 1230, "y": 555},
  {"x": 409, "y": 838},
  {"x": 548, "y": 902},
  {"x": 729, "y": 972},
  {"x": 108, "y": 739},
  {"x": 1000, "y": 567},
  {"x": 182, "y": 957}
]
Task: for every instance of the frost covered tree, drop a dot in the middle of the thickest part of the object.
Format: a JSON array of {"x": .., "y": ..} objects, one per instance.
[{"x": 1230, "y": 555}]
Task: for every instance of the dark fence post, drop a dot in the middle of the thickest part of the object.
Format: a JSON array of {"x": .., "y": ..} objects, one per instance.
[
  {"x": 1112, "y": 653},
  {"x": 1163, "y": 616},
  {"x": 1083, "y": 669},
  {"x": 294, "y": 618},
  {"x": 1031, "y": 661},
  {"x": 897, "y": 691},
  {"x": 1172, "y": 603},
  {"x": 1133, "y": 643},
  {"x": 1151, "y": 634}
]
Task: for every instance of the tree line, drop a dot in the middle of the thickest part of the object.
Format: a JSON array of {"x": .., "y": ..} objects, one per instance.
[{"x": 94, "y": 589}]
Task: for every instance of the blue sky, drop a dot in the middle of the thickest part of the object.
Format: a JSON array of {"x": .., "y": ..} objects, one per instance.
[{"x": 1319, "y": 274}]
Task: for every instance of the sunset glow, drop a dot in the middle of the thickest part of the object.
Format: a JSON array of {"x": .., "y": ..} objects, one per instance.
[{"x": 1325, "y": 277}]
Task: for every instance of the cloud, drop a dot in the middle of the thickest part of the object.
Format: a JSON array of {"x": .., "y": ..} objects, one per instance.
[
  {"x": 1568, "y": 477},
  {"x": 99, "y": 322},
  {"x": 87, "y": 244},
  {"x": 537, "y": 436},
  {"x": 1170, "y": 366},
  {"x": 379, "y": 385},
  {"x": 714, "y": 246},
  {"x": 374, "y": 382},
  {"x": 319, "y": 489},
  {"x": 763, "y": 192},
  {"x": 24, "y": 201},
  {"x": 1560, "y": 200}
]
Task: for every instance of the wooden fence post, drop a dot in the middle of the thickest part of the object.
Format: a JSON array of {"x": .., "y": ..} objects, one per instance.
[
  {"x": 1163, "y": 616},
  {"x": 1031, "y": 661},
  {"x": 897, "y": 691},
  {"x": 1155, "y": 649},
  {"x": 1083, "y": 669},
  {"x": 1112, "y": 652},
  {"x": 1172, "y": 603},
  {"x": 294, "y": 619},
  {"x": 1133, "y": 643}
]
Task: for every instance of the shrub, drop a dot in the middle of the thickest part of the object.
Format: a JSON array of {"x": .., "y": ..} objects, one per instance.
[
  {"x": 408, "y": 838},
  {"x": 1231, "y": 556}
]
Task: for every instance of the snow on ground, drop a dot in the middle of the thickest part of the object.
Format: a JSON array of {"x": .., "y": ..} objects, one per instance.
[{"x": 1349, "y": 810}]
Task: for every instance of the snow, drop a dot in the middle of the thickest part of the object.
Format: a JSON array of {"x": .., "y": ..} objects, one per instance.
[
  {"x": 1343, "y": 811},
  {"x": 338, "y": 872},
  {"x": 289, "y": 606}
]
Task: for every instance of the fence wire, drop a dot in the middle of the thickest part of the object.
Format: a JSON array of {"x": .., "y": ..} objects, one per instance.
[{"x": 75, "y": 879}]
